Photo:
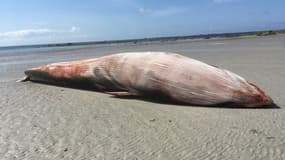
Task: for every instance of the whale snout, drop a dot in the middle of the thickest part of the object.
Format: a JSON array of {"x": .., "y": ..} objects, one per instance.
[
  {"x": 38, "y": 74},
  {"x": 31, "y": 71}
]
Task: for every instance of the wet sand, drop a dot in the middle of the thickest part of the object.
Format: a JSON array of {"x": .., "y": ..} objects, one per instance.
[{"x": 40, "y": 121}]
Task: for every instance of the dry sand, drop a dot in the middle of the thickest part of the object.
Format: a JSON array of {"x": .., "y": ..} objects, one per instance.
[{"x": 47, "y": 122}]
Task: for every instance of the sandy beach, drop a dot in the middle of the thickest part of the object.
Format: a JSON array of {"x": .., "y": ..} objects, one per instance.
[{"x": 40, "y": 121}]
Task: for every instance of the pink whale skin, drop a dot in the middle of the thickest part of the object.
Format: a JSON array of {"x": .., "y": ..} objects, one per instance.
[{"x": 171, "y": 75}]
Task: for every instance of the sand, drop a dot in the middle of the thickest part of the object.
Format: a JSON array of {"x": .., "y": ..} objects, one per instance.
[{"x": 40, "y": 121}]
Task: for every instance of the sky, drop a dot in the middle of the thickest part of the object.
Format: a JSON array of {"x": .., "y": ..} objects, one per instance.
[{"x": 59, "y": 21}]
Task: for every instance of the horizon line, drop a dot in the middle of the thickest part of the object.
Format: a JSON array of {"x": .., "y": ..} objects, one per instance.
[{"x": 151, "y": 39}]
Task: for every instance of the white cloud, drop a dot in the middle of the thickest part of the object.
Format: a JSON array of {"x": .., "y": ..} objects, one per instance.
[
  {"x": 40, "y": 36},
  {"x": 222, "y": 1},
  {"x": 24, "y": 33},
  {"x": 161, "y": 12},
  {"x": 74, "y": 29}
]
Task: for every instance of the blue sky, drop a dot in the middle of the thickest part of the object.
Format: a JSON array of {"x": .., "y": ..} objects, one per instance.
[{"x": 55, "y": 21}]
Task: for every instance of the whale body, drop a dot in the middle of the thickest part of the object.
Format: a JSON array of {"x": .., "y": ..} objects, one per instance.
[{"x": 179, "y": 78}]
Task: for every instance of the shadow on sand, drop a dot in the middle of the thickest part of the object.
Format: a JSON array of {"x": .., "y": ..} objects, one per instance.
[
  {"x": 154, "y": 98},
  {"x": 166, "y": 100}
]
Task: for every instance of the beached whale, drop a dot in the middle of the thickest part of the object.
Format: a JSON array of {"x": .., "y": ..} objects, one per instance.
[{"x": 170, "y": 75}]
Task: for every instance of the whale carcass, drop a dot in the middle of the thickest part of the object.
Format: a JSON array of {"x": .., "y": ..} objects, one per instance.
[{"x": 171, "y": 75}]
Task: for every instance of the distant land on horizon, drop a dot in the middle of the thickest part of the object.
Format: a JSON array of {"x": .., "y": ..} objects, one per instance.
[{"x": 152, "y": 39}]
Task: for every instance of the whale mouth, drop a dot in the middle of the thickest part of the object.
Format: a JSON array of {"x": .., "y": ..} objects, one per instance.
[
  {"x": 29, "y": 74},
  {"x": 24, "y": 79},
  {"x": 37, "y": 74}
]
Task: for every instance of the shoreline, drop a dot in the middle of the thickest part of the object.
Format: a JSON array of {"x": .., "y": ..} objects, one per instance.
[{"x": 192, "y": 38}]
